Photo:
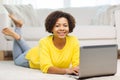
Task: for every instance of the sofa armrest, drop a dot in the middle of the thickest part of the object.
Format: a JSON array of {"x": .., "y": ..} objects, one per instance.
[
  {"x": 3, "y": 41},
  {"x": 117, "y": 24},
  {"x": 4, "y": 20}
]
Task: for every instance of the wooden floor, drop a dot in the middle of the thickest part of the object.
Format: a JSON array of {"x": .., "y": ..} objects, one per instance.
[
  {"x": 6, "y": 55},
  {"x": 118, "y": 56}
]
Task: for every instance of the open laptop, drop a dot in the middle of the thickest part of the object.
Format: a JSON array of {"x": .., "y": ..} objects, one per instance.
[{"x": 98, "y": 60}]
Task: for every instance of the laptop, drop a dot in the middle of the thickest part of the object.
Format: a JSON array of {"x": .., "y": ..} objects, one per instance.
[{"x": 98, "y": 60}]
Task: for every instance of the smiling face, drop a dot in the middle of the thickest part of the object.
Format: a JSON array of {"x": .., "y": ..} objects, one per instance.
[{"x": 61, "y": 28}]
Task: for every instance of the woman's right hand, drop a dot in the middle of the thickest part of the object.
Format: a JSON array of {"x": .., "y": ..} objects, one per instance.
[{"x": 74, "y": 70}]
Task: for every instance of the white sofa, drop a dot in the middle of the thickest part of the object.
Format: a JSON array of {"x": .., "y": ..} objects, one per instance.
[{"x": 93, "y": 24}]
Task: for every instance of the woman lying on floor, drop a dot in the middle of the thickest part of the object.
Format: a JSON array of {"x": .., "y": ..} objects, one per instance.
[{"x": 57, "y": 53}]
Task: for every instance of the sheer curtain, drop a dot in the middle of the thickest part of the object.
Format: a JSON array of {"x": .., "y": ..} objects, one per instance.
[{"x": 62, "y": 3}]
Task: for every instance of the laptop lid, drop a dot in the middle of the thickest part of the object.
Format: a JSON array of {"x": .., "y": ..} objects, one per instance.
[{"x": 98, "y": 60}]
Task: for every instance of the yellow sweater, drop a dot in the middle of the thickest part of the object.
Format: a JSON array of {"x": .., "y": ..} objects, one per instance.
[{"x": 46, "y": 54}]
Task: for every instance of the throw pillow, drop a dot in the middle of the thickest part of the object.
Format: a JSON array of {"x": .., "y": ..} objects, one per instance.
[{"x": 26, "y": 13}]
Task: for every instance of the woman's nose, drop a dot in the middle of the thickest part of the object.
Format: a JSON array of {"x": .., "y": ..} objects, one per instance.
[{"x": 61, "y": 28}]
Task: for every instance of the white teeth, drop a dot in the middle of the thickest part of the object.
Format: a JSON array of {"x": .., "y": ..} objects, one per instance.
[{"x": 61, "y": 33}]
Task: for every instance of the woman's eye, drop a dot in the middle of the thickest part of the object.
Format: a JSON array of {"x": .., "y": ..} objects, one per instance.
[
  {"x": 65, "y": 25},
  {"x": 56, "y": 26}
]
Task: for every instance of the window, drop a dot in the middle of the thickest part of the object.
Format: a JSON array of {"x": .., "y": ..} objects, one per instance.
[
  {"x": 54, "y": 4},
  {"x": 82, "y": 3}
]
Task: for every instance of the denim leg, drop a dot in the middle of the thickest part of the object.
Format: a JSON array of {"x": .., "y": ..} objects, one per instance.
[
  {"x": 19, "y": 54},
  {"x": 21, "y": 61},
  {"x": 16, "y": 50},
  {"x": 20, "y": 48}
]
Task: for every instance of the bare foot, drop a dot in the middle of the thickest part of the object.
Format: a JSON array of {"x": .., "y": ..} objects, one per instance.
[
  {"x": 9, "y": 32},
  {"x": 17, "y": 22}
]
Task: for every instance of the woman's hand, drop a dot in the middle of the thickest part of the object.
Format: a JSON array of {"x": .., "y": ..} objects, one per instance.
[{"x": 74, "y": 70}]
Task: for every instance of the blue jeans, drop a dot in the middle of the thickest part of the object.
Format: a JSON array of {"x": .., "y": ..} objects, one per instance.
[{"x": 20, "y": 49}]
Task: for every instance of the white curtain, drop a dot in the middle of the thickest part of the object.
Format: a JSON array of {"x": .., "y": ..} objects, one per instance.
[{"x": 62, "y": 3}]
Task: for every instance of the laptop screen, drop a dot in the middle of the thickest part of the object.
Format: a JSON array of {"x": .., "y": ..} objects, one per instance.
[{"x": 98, "y": 60}]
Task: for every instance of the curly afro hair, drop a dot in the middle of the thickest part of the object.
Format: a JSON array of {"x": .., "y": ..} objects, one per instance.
[{"x": 54, "y": 16}]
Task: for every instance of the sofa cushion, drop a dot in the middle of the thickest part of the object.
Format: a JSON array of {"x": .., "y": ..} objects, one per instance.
[
  {"x": 25, "y": 13},
  {"x": 105, "y": 15},
  {"x": 80, "y": 14},
  {"x": 85, "y": 32},
  {"x": 42, "y": 14},
  {"x": 94, "y": 32},
  {"x": 34, "y": 33},
  {"x": 82, "y": 32}
]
